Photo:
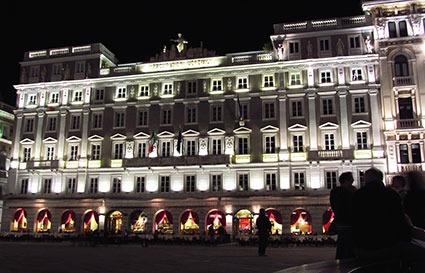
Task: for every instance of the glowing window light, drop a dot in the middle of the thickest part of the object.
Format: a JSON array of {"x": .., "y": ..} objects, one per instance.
[
  {"x": 139, "y": 224},
  {"x": 276, "y": 221},
  {"x": 68, "y": 225},
  {"x": 20, "y": 222},
  {"x": 115, "y": 222},
  {"x": 300, "y": 222},
  {"x": 216, "y": 219},
  {"x": 327, "y": 219},
  {"x": 164, "y": 222},
  {"x": 43, "y": 223},
  {"x": 245, "y": 221},
  {"x": 91, "y": 220},
  {"x": 189, "y": 223}
]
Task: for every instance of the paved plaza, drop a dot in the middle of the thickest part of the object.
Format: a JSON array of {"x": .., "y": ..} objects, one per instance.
[{"x": 67, "y": 258}]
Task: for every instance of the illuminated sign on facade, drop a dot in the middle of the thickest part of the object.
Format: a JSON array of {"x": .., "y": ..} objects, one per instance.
[{"x": 181, "y": 64}]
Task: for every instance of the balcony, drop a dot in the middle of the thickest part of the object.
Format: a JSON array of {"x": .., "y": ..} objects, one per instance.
[
  {"x": 176, "y": 161},
  {"x": 408, "y": 123},
  {"x": 403, "y": 81},
  {"x": 330, "y": 154},
  {"x": 43, "y": 164},
  {"x": 410, "y": 167}
]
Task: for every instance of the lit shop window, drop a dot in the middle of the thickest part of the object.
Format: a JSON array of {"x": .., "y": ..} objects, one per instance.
[
  {"x": 276, "y": 220},
  {"x": 114, "y": 222},
  {"x": 300, "y": 222},
  {"x": 189, "y": 223},
  {"x": 327, "y": 219},
  {"x": 164, "y": 222},
  {"x": 91, "y": 221},
  {"x": 44, "y": 223},
  {"x": 244, "y": 222},
  {"x": 139, "y": 222},
  {"x": 68, "y": 221},
  {"x": 216, "y": 219},
  {"x": 20, "y": 222}
]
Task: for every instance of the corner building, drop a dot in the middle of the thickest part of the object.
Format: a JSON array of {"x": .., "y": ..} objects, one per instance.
[{"x": 190, "y": 140}]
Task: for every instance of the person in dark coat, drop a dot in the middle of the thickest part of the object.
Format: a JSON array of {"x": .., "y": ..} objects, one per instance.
[
  {"x": 379, "y": 223},
  {"x": 264, "y": 226},
  {"x": 341, "y": 199},
  {"x": 414, "y": 202}
]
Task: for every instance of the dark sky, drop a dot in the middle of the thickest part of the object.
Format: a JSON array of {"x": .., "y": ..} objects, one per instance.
[{"x": 136, "y": 30}]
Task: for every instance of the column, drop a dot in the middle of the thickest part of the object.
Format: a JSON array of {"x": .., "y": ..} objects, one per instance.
[
  {"x": 16, "y": 143},
  {"x": 345, "y": 129},
  {"x": 39, "y": 135},
  {"x": 84, "y": 133},
  {"x": 61, "y": 140},
  {"x": 283, "y": 129},
  {"x": 312, "y": 122},
  {"x": 376, "y": 123}
]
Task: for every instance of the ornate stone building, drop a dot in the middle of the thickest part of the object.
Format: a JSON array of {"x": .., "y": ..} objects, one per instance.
[{"x": 192, "y": 140}]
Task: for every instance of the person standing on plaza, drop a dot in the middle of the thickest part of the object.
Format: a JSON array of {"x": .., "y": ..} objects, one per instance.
[
  {"x": 264, "y": 227},
  {"x": 341, "y": 199}
]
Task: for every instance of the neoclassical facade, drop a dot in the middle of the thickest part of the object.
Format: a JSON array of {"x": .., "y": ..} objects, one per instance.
[{"x": 189, "y": 139}]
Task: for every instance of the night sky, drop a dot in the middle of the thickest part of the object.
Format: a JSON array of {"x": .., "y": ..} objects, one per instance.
[{"x": 135, "y": 31}]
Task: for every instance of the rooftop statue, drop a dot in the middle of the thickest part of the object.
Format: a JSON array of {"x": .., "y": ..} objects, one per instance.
[{"x": 181, "y": 43}]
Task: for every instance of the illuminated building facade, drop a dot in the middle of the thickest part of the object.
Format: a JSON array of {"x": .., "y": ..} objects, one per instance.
[{"x": 190, "y": 140}]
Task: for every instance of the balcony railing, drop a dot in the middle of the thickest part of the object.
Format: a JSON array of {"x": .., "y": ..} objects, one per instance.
[
  {"x": 403, "y": 81},
  {"x": 330, "y": 154},
  {"x": 176, "y": 161},
  {"x": 43, "y": 164},
  {"x": 408, "y": 123},
  {"x": 410, "y": 167}
]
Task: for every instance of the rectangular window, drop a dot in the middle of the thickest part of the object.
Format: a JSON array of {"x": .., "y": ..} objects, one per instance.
[
  {"x": 299, "y": 181},
  {"x": 142, "y": 119},
  {"x": 361, "y": 140},
  {"x": 416, "y": 153},
  {"x": 141, "y": 149},
  {"x": 355, "y": 42},
  {"x": 73, "y": 154},
  {"x": 99, "y": 94},
  {"x": 243, "y": 182},
  {"x": 118, "y": 150},
  {"x": 72, "y": 185},
  {"x": 121, "y": 93},
  {"x": 165, "y": 184},
  {"x": 297, "y": 109},
  {"x": 402, "y": 27},
  {"x": 357, "y": 75},
  {"x": 191, "y": 88},
  {"x": 244, "y": 109},
  {"x": 119, "y": 119},
  {"x": 217, "y": 85},
  {"x": 32, "y": 99},
  {"x": 242, "y": 145},
  {"x": 75, "y": 122},
  {"x": 216, "y": 113},
  {"x": 325, "y": 77},
  {"x": 331, "y": 179},
  {"x": 24, "y": 186},
  {"x": 166, "y": 116},
  {"x": 80, "y": 67},
  {"x": 94, "y": 183},
  {"x": 57, "y": 69},
  {"x": 404, "y": 154},
  {"x": 116, "y": 185},
  {"x": 54, "y": 98},
  {"x": 242, "y": 83},
  {"x": 268, "y": 81},
  {"x": 294, "y": 47},
  {"x": 50, "y": 153},
  {"x": 216, "y": 148},
  {"x": 144, "y": 91},
  {"x": 29, "y": 125},
  {"x": 270, "y": 147},
  {"x": 392, "y": 30},
  {"x": 329, "y": 141},
  {"x": 295, "y": 79},
  {"x": 95, "y": 152},
  {"x": 190, "y": 183},
  {"x": 97, "y": 120},
  {"x": 140, "y": 184},
  {"x": 359, "y": 105},
  {"x": 216, "y": 182},
  {"x": 166, "y": 148},
  {"x": 26, "y": 156},
  {"x": 167, "y": 89},
  {"x": 271, "y": 182},
  {"x": 47, "y": 186},
  {"x": 78, "y": 96},
  {"x": 327, "y": 107},
  {"x": 269, "y": 110},
  {"x": 191, "y": 147},
  {"x": 297, "y": 141},
  {"x": 51, "y": 124},
  {"x": 324, "y": 44},
  {"x": 191, "y": 114}
]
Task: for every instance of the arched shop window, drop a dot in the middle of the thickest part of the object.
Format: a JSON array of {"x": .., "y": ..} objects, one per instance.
[
  {"x": 300, "y": 222},
  {"x": 91, "y": 221},
  {"x": 164, "y": 222},
  {"x": 20, "y": 222},
  {"x": 68, "y": 221},
  {"x": 327, "y": 220},
  {"x": 189, "y": 222},
  {"x": 217, "y": 219},
  {"x": 243, "y": 222},
  {"x": 115, "y": 222},
  {"x": 44, "y": 222},
  {"x": 276, "y": 220},
  {"x": 139, "y": 222}
]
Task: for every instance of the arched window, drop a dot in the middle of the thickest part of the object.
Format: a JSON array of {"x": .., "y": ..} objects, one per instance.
[
  {"x": 244, "y": 221},
  {"x": 139, "y": 222},
  {"x": 164, "y": 222},
  {"x": 115, "y": 222},
  {"x": 44, "y": 222},
  {"x": 327, "y": 220},
  {"x": 216, "y": 219},
  {"x": 276, "y": 220},
  {"x": 20, "y": 222},
  {"x": 300, "y": 222},
  {"x": 68, "y": 221},
  {"x": 91, "y": 221},
  {"x": 401, "y": 66},
  {"x": 189, "y": 222}
]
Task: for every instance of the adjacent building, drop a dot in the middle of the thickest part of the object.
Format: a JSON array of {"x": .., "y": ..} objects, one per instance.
[{"x": 190, "y": 139}]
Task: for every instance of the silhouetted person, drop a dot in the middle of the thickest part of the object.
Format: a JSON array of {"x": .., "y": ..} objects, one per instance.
[
  {"x": 211, "y": 235},
  {"x": 264, "y": 227},
  {"x": 341, "y": 199},
  {"x": 398, "y": 183},
  {"x": 379, "y": 224},
  {"x": 414, "y": 203}
]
